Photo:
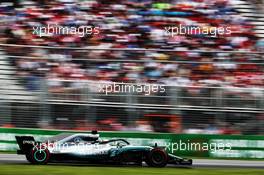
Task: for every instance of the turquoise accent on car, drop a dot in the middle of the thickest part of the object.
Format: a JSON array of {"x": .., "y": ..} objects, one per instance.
[
  {"x": 116, "y": 151},
  {"x": 40, "y": 160}
]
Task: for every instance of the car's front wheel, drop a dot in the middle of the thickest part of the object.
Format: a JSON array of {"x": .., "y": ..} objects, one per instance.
[{"x": 157, "y": 158}]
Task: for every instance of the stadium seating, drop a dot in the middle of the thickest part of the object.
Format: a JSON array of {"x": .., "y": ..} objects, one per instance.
[{"x": 133, "y": 24}]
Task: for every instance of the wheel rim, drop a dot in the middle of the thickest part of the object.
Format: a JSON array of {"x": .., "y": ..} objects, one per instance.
[
  {"x": 158, "y": 158},
  {"x": 40, "y": 155}
]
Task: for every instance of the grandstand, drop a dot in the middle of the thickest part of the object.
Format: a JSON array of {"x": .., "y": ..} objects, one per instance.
[
  {"x": 213, "y": 85},
  {"x": 253, "y": 13}
]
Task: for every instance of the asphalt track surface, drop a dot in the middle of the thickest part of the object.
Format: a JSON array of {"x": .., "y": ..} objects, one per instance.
[{"x": 20, "y": 159}]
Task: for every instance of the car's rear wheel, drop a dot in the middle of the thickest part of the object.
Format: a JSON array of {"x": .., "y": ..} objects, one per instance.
[
  {"x": 39, "y": 156},
  {"x": 157, "y": 158},
  {"x": 28, "y": 157}
]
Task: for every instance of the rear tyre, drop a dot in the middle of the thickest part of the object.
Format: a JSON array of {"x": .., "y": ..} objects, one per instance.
[
  {"x": 157, "y": 158},
  {"x": 28, "y": 157},
  {"x": 39, "y": 156}
]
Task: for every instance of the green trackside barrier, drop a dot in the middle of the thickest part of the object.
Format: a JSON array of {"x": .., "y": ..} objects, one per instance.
[{"x": 193, "y": 145}]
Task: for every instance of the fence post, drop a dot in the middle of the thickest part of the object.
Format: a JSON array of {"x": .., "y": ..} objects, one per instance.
[
  {"x": 90, "y": 113},
  {"x": 174, "y": 94},
  {"x": 220, "y": 102},
  {"x": 131, "y": 98},
  {"x": 45, "y": 113},
  {"x": 5, "y": 112}
]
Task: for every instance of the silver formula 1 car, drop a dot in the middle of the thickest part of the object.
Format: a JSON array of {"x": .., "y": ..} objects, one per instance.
[{"x": 89, "y": 148}]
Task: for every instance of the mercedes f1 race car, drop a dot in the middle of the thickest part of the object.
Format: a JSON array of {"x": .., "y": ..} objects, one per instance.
[{"x": 89, "y": 148}]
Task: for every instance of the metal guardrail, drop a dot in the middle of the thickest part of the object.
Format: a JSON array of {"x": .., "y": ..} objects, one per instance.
[{"x": 92, "y": 105}]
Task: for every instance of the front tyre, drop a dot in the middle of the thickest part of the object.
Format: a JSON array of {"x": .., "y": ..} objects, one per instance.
[{"x": 157, "y": 158}]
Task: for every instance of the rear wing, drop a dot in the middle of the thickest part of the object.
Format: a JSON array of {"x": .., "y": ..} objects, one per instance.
[{"x": 25, "y": 143}]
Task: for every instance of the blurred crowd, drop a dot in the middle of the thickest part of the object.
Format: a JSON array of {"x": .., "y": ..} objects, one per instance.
[{"x": 131, "y": 24}]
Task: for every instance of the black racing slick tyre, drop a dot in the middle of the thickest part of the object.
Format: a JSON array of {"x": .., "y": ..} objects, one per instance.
[
  {"x": 157, "y": 158},
  {"x": 39, "y": 156},
  {"x": 28, "y": 157}
]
